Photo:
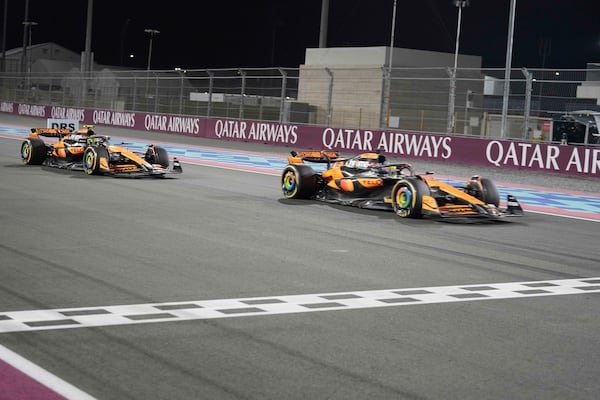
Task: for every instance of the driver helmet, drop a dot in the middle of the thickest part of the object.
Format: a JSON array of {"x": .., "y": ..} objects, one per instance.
[
  {"x": 373, "y": 160},
  {"x": 367, "y": 161},
  {"x": 357, "y": 163}
]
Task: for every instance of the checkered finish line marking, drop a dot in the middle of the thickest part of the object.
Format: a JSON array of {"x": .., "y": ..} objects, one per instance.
[{"x": 35, "y": 320}]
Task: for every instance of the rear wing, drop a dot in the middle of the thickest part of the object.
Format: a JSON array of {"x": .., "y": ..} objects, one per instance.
[
  {"x": 48, "y": 132},
  {"x": 299, "y": 157}
]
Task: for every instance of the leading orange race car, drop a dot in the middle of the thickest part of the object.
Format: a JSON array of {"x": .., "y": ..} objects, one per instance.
[{"x": 369, "y": 181}]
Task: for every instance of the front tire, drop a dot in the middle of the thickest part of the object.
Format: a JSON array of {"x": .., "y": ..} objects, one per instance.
[
  {"x": 407, "y": 197},
  {"x": 157, "y": 155},
  {"x": 298, "y": 182},
  {"x": 484, "y": 189},
  {"x": 33, "y": 151},
  {"x": 490, "y": 192},
  {"x": 92, "y": 160}
]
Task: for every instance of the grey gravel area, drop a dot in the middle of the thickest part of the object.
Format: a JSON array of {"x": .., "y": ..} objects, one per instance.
[{"x": 499, "y": 175}]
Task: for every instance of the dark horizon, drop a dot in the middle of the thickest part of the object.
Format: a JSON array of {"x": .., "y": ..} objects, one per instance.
[{"x": 271, "y": 33}]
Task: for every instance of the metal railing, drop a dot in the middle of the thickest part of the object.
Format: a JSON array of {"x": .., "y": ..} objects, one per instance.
[{"x": 336, "y": 96}]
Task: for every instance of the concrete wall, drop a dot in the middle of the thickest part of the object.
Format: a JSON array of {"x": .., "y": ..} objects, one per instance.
[
  {"x": 356, "y": 94},
  {"x": 420, "y": 81},
  {"x": 379, "y": 56}
]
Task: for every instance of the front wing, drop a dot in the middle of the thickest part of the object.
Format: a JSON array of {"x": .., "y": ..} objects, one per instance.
[
  {"x": 135, "y": 170},
  {"x": 431, "y": 208}
]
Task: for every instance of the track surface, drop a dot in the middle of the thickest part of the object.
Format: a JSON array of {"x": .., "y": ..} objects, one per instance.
[{"x": 211, "y": 286}]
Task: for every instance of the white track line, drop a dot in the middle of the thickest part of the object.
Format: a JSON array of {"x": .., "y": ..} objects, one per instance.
[
  {"x": 42, "y": 376},
  {"x": 68, "y": 318}
]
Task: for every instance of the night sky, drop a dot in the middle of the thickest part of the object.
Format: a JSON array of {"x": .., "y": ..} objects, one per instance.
[{"x": 264, "y": 33}]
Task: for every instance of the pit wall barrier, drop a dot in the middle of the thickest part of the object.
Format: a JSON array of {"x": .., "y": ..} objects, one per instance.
[{"x": 561, "y": 159}]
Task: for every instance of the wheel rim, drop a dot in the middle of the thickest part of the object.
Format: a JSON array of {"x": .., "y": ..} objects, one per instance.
[
  {"x": 289, "y": 183},
  {"x": 26, "y": 152},
  {"x": 89, "y": 161},
  {"x": 404, "y": 197}
]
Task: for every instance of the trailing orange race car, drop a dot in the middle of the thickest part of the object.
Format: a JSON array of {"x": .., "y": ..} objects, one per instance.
[
  {"x": 84, "y": 150},
  {"x": 369, "y": 181}
]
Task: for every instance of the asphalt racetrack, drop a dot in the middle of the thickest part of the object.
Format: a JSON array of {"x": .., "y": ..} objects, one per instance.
[{"x": 211, "y": 286}]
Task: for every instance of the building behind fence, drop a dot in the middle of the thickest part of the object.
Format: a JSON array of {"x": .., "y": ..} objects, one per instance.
[{"x": 350, "y": 88}]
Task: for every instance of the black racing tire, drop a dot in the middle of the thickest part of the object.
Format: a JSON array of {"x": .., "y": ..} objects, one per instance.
[
  {"x": 407, "y": 197},
  {"x": 489, "y": 192},
  {"x": 91, "y": 159},
  {"x": 298, "y": 182},
  {"x": 158, "y": 156},
  {"x": 33, "y": 151}
]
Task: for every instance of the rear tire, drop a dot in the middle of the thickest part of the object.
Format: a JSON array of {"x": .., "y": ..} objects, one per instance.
[
  {"x": 298, "y": 182},
  {"x": 407, "y": 197},
  {"x": 33, "y": 151},
  {"x": 92, "y": 158}
]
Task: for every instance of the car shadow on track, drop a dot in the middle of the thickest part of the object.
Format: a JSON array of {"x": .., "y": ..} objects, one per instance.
[
  {"x": 388, "y": 215},
  {"x": 80, "y": 174}
]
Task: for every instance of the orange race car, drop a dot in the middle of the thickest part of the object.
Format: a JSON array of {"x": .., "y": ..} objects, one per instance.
[
  {"x": 84, "y": 150},
  {"x": 369, "y": 181}
]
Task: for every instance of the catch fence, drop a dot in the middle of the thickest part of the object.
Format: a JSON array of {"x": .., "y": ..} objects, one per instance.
[{"x": 542, "y": 104}]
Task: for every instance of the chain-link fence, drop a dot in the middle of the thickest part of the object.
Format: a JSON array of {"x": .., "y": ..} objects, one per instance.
[{"x": 547, "y": 105}]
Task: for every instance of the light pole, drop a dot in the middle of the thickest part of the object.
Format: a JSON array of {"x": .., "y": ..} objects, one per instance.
[
  {"x": 87, "y": 60},
  {"x": 324, "y": 23},
  {"x": 509, "y": 45},
  {"x": 387, "y": 75},
  {"x": 3, "y": 63},
  {"x": 451, "y": 101},
  {"x": 25, "y": 31},
  {"x": 28, "y": 25},
  {"x": 152, "y": 32}
]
